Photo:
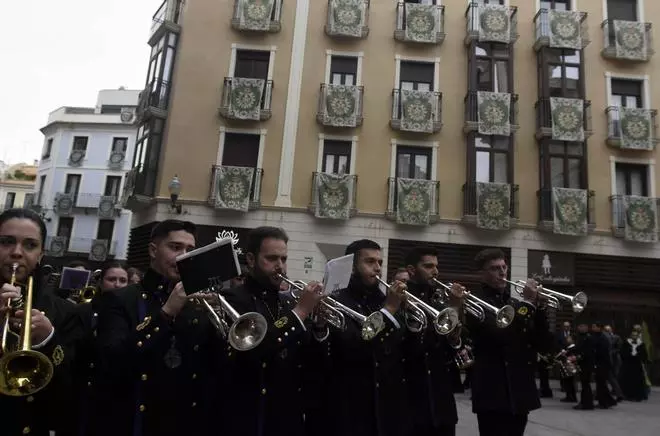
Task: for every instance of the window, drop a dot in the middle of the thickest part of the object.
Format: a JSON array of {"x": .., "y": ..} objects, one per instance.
[
  {"x": 558, "y": 5},
  {"x": 42, "y": 186},
  {"x": 9, "y": 200},
  {"x": 112, "y": 185},
  {"x": 73, "y": 184},
  {"x": 65, "y": 227},
  {"x": 490, "y": 2},
  {"x": 80, "y": 143},
  {"x": 632, "y": 179},
  {"x": 48, "y": 148},
  {"x": 111, "y": 109},
  {"x": 423, "y": 2},
  {"x": 416, "y": 76},
  {"x": 105, "y": 229},
  {"x": 119, "y": 145},
  {"x": 147, "y": 152},
  {"x": 563, "y": 165},
  {"x": 252, "y": 64},
  {"x": 490, "y": 68},
  {"x": 161, "y": 63},
  {"x": 413, "y": 162},
  {"x": 491, "y": 159},
  {"x": 241, "y": 150},
  {"x": 561, "y": 73},
  {"x": 343, "y": 70},
  {"x": 336, "y": 157},
  {"x": 622, "y": 10},
  {"x": 627, "y": 93}
]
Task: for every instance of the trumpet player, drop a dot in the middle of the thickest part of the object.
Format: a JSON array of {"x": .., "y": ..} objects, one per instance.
[
  {"x": 429, "y": 356},
  {"x": 503, "y": 385},
  {"x": 160, "y": 355},
  {"x": 41, "y": 404},
  {"x": 267, "y": 392}
]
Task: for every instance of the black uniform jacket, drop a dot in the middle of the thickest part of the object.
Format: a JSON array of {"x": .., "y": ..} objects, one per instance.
[
  {"x": 48, "y": 409},
  {"x": 505, "y": 358},
  {"x": 368, "y": 387},
  {"x": 266, "y": 387},
  {"x": 159, "y": 377},
  {"x": 585, "y": 352},
  {"x": 429, "y": 362}
]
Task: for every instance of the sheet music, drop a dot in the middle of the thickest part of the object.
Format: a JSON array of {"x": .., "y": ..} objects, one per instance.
[{"x": 337, "y": 274}]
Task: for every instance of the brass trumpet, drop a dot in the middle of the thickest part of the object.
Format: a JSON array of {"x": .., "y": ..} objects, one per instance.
[
  {"x": 331, "y": 315},
  {"x": 88, "y": 292},
  {"x": 578, "y": 301},
  {"x": 23, "y": 371}
]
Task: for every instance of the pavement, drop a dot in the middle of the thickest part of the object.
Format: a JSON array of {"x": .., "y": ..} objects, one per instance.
[{"x": 559, "y": 419}]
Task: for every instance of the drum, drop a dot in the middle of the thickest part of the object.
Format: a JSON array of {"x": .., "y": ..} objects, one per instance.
[{"x": 464, "y": 358}]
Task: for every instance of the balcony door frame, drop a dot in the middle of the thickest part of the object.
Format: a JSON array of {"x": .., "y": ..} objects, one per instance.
[
  {"x": 646, "y": 89},
  {"x": 429, "y": 60},
  {"x": 347, "y": 54},
  {"x": 650, "y": 173},
  {"x": 573, "y": 3},
  {"x": 262, "y": 142},
  {"x": 434, "y": 145},
  {"x": 640, "y": 11},
  {"x": 352, "y": 139},
  {"x": 266, "y": 48}
]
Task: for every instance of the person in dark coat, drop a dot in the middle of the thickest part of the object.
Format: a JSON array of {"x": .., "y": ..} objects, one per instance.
[
  {"x": 633, "y": 358},
  {"x": 503, "y": 385},
  {"x": 585, "y": 358},
  {"x": 429, "y": 356},
  {"x": 368, "y": 387},
  {"x": 567, "y": 379},
  {"x": 603, "y": 366},
  {"x": 55, "y": 329},
  {"x": 160, "y": 355},
  {"x": 615, "y": 358},
  {"x": 267, "y": 382}
]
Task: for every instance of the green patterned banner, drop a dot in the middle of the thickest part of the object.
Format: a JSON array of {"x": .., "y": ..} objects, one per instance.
[
  {"x": 341, "y": 105},
  {"x": 245, "y": 98},
  {"x": 636, "y": 128},
  {"x": 493, "y": 206},
  {"x": 422, "y": 22},
  {"x": 417, "y": 110},
  {"x": 346, "y": 17},
  {"x": 414, "y": 201},
  {"x": 567, "y": 119},
  {"x": 233, "y": 188},
  {"x": 255, "y": 14},
  {"x": 570, "y": 211},
  {"x": 334, "y": 196},
  {"x": 630, "y": 40},
  {"x": 494, "y": 113},
  {"x": 494, "y": 23},
  {"x": 565, "y": 29},
  {"x": 641, "y": 218}
]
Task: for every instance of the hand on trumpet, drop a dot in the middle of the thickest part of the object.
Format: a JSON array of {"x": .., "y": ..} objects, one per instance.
[
  {"x": 531, "y": 291},
  {"x": 8, "y": 292},
  {"x": 396, "y": 296},
  {"x": 176, "y": 301},
  {"x": 310, "y": 297},
  {"x": 41, "y": 325},
  {"x": 456, "y": 294}
]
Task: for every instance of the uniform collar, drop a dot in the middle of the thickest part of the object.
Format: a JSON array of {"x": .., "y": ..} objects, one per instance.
[
  {"x": 259, "y": 290},
  {"x": 417, "y": 289},
  {"x": 362, "y": 293},
  {"x": 155, "y": 282}
]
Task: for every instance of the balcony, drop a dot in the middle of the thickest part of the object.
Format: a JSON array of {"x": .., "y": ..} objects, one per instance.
[
  {"x": 561, "y": 30},
  {"x": 416, "y": 111},
  {"x": 627, "y": 41},
  {"x": 66, "y": 203},
  {"x": 631, "y": 128},
  {"x": 567, "y": 211},
  {"x": 413, "y": 201},
  {"x": 635, "y": 218},
  {"x": 421, "y": 24},
  {"x": 348, "y": 20},
  {"x": 252, "y": 16},
  {"x": 490, "y": 206},
  {"x": 334, "y": 196},
  {"x": 58, "y": 246},
  {"x": 563, "y": 119},
  {"x": 246, "y": 99},
  {"x": 491, "y": 23},
  {"x": 167, "y": 17},
  {"x": 490, "y": 113},
  {"x": 153, "y": 101},
  {"x": 340, "y": 105},
  {"x": 235, "y": 188}
]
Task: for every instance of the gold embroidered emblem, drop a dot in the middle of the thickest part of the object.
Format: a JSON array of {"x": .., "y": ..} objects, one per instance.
[
  {"x": 58, "y": 355},
  {"x": 143, "y": 324},
  {"x": 522, "y": 310},
  {"x": 281, "y": 322}
]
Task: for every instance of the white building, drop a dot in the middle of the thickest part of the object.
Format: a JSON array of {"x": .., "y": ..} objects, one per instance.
[{"x": 85, "y": 157}]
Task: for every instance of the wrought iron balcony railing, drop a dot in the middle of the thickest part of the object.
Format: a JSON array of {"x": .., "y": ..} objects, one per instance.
[
  {"x": 491, "y": 23},
  {"x": 340, "y": 105},
  {"x": 416, "y": 111},
  {"x": 418, "y": 23},
  {"x": 167, "y": 17},
  {"x": 153, "y": 101},
  {"x": 246, "y": 99},
  {"x": 627, "y": 40}
]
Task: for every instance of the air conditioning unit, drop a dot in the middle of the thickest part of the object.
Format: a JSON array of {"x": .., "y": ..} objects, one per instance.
[{"x": 99, "y": 250}]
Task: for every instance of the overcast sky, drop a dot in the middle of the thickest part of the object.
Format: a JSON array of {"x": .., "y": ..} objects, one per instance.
[{"x": 60, "y": 53}]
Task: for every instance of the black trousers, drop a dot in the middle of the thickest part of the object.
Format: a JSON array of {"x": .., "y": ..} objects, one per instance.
[
  {"x": 442, "y": 430},
  {"x": 544, "y": 379},
  {"x": 586, "y": 394},
  {"x": 501, "y": 424},
  {"x": 568, "y": 384},
  {"x": 602, "y": 391}
]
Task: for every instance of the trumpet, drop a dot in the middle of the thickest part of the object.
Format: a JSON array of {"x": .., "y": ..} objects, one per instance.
[
  {"x": 88, "y": 292},
  {"x": 371, "y": 325},
  {"x": 330, "y": 314},
  {"x": 245, "y": 332},
  {"x": 578, "y": 301},
  {"x": 23, "y": 371},
  {"x": 477, "y": 307},
  {"x": 444, "y": 321}
]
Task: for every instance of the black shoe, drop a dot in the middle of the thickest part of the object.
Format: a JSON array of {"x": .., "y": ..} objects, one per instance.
[
  {"x": 546, "y": 395},
  {"x": 581, "y": 407},
  {"x": 568, "y": 400}
]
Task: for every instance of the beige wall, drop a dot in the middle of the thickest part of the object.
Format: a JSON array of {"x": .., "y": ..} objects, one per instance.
[{"x": 19, "y": 188}]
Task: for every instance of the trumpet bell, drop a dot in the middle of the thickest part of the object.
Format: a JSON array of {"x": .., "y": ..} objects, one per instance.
[
  {"x": 505, "y": 316},
  {"x": 446, "y": 321},
  {"x": 579, "y": 302},
  {"x": 372, "y": 326},
  {"x": 24, "y": 372},
  {"x": 248, "y": 331}
]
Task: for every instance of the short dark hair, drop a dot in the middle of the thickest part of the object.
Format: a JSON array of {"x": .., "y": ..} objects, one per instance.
[
  {"x": 257, "y": 236},
  {"x": 28, "y": 214},
  {"x": 164, "y": 228},
  {"x": 361, "y": 244},
  {"x": 110, "y": 265},
  {"x": 485, "y": 256},
  {"x": 399, "y": 271},
  {"x": 77, "y": 264},
  {"x": 415, "y": 255},
  {"x": 133, "y": 271}
]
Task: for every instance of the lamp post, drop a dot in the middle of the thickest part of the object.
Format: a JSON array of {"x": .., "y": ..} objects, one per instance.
[{"x": 175, "y": 189}]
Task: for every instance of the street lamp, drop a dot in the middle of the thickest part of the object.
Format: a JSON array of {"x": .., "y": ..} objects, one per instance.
[{"x": 175, "y": 189}]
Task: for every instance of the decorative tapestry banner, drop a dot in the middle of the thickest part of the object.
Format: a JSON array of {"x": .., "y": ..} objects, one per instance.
[
  {"x": 636, "y": 128},
  {"x": 565, "y": 29},
  {"x": 630, "y": 40},
  {"x": 346, "y": 17},
  {"x": 494, "y": 23},
  {"x": 422, "y": 22},
  {"x": 255, "y": 14},
  {"x": 106, "y": 206},
  {"x": 245, "y": 98},
  {"x": 233, "y": 189},
  {"x": 334, "y": 196},
  {"x": 341, "y": 104},
  {"x": 493, "y": 206},
  {"x": 417, "y": 110},
  {"x": 570, "y": 211},
  {"x": 641, "y": 218},
  {"x": 567, "y": 119},
  {"x": 414, "y": 201},
  {"x": 494, "y": 113}
]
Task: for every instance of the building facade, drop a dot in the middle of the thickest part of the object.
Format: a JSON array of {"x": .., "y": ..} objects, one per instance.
[
  {"x": 525, "y": 125},
  {"x": 85, "y": 157}
]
